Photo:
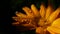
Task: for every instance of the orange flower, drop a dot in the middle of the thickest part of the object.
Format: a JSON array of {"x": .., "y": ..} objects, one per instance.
[{"x": 41, "y": 20}]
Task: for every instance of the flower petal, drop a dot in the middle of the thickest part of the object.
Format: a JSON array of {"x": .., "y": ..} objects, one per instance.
[
  {"x": 49, "y": 10},
  {"x": 42, "y": 10},
  {"x": 20, "y": 14},
  {"x": 56, "y": 23},
  {"x": 27, "y": 10},
  {"x": 53, "y": 30},
  {"x": 55, "y": 27},
  {"x": 54, "y": 15},
  {"x": 34, "y": 9}
]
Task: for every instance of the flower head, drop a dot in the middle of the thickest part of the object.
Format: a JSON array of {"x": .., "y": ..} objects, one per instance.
[{"x": 41, "y": 20}]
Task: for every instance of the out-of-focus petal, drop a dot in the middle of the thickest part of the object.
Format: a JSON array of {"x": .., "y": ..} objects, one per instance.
[
  {"x": 49, "y": 10},
  {"x": 54, "y": 15},
  {"x": 56, "y": 23},
  {"x": 55, "y": 26},
  {"x": 34, "y": 9},
  {"x": 42, "y": 10},
  {"x": 39, "y": 30},
  {"x": 20, "y": 14},
  {"x": 53, "y": 30},
  {"x": 27, "y": 10}
]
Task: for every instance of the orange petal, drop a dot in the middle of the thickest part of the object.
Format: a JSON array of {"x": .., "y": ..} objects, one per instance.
[
  {"x": 49, "y": 10},
  {"x": 34, "y": 9},
  {"x": 42, "y": 10},
  {"x": 54, "y": 15},
  {"x": 27, "y": 10},
  {"x": 20, "y": 14}
]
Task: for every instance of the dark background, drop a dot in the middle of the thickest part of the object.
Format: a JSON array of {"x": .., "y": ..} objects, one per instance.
[{"x": 8, "y": 9}]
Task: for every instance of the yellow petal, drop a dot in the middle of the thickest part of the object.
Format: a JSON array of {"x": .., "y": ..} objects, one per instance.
[
  {"x": 42, "y": 11},
  {"x": 53, "y": 30},
  {"x": 55, "y": 27},
  {"x": 56, "y": 23},
  {"x": 54, "y": 15},
  {"x": 34, "y": 9},
  {"x": 48, "y": 11}
]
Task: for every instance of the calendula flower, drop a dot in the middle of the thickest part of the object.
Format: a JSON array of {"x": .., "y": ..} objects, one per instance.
[{"x": 42, "y": 20}]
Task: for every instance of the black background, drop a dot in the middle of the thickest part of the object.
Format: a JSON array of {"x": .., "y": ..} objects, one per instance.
[{"x": 8, "y": 9}]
